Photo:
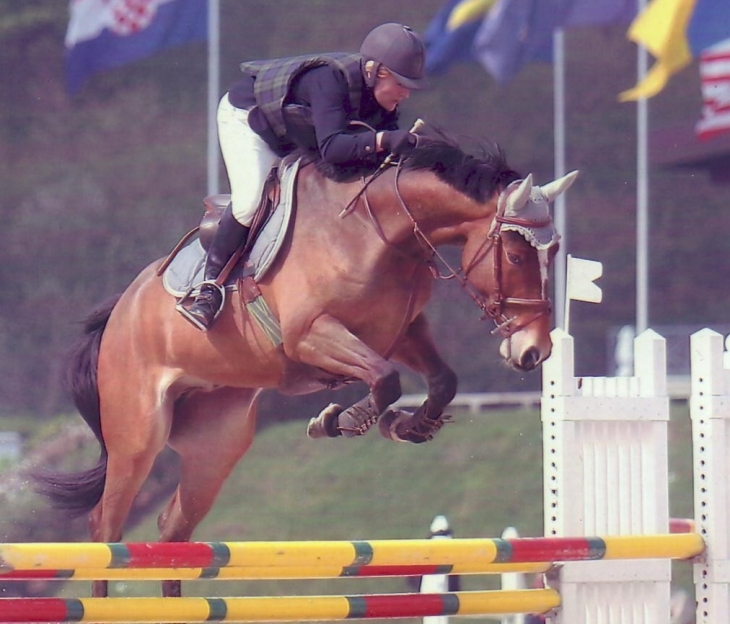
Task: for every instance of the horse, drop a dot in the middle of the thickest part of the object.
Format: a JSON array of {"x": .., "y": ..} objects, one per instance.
[{"x": 348, "y": 291}]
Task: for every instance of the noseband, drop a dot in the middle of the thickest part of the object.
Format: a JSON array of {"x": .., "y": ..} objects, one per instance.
[{"x": 495, "y": 306}]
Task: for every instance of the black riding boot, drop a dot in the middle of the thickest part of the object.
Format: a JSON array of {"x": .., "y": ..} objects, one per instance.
[{"x": 208, "y": 302}]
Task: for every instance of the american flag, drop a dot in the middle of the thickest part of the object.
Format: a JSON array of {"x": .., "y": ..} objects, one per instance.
[{"x": 715, "y": 76}]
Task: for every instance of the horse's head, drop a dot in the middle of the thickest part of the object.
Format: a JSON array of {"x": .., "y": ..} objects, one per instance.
[{"x": 509, "y": 268}]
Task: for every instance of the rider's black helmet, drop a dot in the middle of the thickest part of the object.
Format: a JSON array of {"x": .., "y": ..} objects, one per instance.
[{"x": 400, "y": 50}]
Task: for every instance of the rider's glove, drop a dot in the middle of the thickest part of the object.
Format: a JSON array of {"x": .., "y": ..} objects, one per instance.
[{"x": 399, "y": 142}]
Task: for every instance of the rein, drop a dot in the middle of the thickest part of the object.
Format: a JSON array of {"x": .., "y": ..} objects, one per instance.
[{"x": 493, "y": 307}]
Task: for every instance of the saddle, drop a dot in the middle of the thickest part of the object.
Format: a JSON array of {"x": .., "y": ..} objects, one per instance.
[{"x": 183, "y": 268}]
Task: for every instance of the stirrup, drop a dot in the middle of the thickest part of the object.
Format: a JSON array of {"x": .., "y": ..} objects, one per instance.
[{"x": 193, "y": 291}]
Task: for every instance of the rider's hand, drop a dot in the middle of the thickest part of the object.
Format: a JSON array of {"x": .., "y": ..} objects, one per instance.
[
  {"x": 399, "y": 142},
  {"x": 432, "y": 134}
]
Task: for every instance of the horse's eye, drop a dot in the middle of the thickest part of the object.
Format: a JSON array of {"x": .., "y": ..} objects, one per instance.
[{"x": 514, "y": 259}]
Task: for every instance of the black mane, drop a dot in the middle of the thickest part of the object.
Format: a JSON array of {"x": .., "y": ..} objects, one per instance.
[{"x": 477, "y": 175}]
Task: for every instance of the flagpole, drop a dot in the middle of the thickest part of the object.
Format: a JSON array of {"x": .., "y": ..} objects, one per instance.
[
  {"x": 559, "y": 206},
  {"x": 642, "y": 194},
  {"x": 213, "y": 91}
]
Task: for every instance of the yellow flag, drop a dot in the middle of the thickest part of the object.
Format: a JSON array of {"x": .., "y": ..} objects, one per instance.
[
  {"x": 468, "y": 11},
  {"x": 662, "y": 30}
]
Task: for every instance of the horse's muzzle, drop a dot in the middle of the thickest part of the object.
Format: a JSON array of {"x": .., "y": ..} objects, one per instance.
[{"x": 522, "y": 354}]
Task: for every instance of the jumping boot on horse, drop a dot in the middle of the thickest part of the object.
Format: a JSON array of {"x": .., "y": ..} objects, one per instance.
[{"x": 208, "y": 302}]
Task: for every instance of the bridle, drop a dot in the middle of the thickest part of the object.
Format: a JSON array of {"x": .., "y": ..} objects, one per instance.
[{"x": 493, "y": 307}]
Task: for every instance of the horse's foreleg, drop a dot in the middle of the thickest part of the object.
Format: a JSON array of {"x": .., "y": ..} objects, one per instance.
[
  {"x": 418, "y": 351},
  {"x": 211, "y": 431},
  {"x": 329, "y": 345}
]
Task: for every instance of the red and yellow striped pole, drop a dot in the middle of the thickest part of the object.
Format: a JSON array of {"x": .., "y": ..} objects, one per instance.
[
  {"x": 266, "y": 573},
  {"x": 275, "y": 609},
  {"x": 351, "y": 555}
]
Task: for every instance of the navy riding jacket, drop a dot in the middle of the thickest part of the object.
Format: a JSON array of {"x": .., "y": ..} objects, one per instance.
[{"x": 325, "y": 92}]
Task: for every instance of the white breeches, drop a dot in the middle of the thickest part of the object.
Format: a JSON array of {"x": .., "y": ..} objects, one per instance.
[{"x": 248, "y": 159}]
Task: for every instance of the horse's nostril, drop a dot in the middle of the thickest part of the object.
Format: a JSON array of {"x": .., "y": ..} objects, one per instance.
[{"x": 530, "y": 358}]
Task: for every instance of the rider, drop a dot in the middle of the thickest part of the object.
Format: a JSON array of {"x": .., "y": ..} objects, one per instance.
[{"x": 306, "y": 102}]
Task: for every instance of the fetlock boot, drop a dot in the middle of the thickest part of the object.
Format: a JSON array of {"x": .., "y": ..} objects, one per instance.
[{"x": 208, "y": 302}]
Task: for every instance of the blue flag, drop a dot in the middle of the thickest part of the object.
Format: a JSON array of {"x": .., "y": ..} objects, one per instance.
[
  {"x": 516, "y": 32},
  {"x": 449, "y": 37},
  {"x": 709, "y": 24},
  {"x": 103, "y": 34}
]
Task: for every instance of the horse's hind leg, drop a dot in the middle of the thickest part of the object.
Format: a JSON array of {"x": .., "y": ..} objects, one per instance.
[
  {"x": 133, "y": 444},
  {"x": 211, "y": 431}
]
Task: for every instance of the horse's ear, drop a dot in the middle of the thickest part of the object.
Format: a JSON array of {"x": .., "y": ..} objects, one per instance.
[
  {"x": 519, "y": 197},
  {"x": 557, "y": 187}
]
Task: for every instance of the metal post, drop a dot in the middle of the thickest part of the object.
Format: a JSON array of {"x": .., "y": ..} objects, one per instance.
[{"x": 213, "y": 93}]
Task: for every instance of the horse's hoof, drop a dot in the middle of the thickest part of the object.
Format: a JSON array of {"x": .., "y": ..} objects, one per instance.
[
  {"x": 325, "y": 425},
  {"x": 416, "y": 428},
  {"x": 388, "y": 424}
]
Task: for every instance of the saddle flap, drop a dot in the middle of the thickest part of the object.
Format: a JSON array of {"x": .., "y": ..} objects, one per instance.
[{"x": 185, "y": 267}]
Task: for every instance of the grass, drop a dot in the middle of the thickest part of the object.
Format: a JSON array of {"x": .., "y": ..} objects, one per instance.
[{"x": 484, "y": 473}]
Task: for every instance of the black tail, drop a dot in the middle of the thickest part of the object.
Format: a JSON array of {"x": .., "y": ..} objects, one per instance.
[{"x": 78, "y": 493}]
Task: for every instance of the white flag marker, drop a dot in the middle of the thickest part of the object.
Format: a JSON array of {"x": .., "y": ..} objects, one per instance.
[{"x": 579, "y": 283}]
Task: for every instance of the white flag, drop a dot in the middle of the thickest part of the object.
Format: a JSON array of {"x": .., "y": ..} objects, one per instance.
[{"x": 580, "y": 278}]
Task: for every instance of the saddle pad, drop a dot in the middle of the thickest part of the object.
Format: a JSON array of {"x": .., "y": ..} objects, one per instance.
[{"x": 186, "y": 269}]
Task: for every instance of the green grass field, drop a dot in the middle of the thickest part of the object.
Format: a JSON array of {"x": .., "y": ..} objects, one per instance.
[{"x": 484, "y": 472}]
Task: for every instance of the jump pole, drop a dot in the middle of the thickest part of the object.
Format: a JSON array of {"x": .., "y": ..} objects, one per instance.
[
  {"x": 475, "y": 555},
  {"x": 275, "y": 609},
  {"x": 264, "y": 573}
]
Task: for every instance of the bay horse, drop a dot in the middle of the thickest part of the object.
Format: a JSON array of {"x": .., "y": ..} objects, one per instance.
[{"x": 348, "y": 291}]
